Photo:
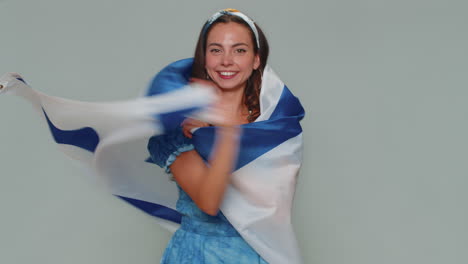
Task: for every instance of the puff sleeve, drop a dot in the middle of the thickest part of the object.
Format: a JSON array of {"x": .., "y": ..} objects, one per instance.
[{"x": 164, "y": 149}]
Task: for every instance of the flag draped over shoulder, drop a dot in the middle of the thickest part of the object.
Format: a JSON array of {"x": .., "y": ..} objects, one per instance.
[{"x": 113, "y": 137}]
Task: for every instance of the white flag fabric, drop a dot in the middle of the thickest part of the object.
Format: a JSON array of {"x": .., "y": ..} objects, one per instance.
[{"x": 112, "y": 139}]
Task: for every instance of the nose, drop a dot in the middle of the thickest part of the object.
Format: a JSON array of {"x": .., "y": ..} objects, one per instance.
[{"x": 227, "y": 59}]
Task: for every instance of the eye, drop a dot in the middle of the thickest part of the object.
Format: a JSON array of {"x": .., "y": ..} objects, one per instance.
[
  {"x": 241, "y": 50},
  {"x": 215, "y": 50}
]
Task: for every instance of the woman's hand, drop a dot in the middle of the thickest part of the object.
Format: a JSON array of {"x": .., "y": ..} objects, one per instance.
[{"x": 190, "y": 124}]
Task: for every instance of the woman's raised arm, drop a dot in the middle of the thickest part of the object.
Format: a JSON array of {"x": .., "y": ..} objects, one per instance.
[{"x": 206, "y": 183}]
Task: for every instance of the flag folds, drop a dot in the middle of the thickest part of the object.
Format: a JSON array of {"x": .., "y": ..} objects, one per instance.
[{"x": 112, "y": 138}]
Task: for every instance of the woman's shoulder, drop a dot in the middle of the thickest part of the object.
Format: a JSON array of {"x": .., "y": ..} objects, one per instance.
[{"x": 164, "y": 149}]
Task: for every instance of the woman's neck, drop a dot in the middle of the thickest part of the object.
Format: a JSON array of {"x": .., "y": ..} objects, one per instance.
[{"x": 232, "y": 105}]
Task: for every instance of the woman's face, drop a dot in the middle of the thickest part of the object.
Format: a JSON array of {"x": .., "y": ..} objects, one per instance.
[{"x": 230, "y": 57}]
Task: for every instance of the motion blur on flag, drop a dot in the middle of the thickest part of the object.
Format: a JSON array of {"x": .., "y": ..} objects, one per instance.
[{"x": 112, "y": 139}]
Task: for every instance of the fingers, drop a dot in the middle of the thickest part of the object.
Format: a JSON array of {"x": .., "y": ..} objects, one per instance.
[
  {"x": 186, "y": 133},
  {"x": 189, "y": 124},
  {"x": 194, "y": 123}
]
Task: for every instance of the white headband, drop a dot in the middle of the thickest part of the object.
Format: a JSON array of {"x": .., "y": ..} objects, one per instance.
[{"x": 237, "y": 13}]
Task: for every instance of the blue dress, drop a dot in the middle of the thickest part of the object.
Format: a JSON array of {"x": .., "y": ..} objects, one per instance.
[{"x": 201, "y": 238}]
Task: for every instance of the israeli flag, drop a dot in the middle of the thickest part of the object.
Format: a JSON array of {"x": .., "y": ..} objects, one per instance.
[{"x": 112, "y": 138}]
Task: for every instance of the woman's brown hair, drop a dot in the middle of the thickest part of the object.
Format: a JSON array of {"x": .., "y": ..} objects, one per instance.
[{"x": 254, "y": 83}]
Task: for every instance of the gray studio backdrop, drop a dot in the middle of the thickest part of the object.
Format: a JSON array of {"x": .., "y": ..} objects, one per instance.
[{"x": 383, "y": 83}]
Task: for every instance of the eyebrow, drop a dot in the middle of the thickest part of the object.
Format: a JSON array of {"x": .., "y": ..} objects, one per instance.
[{"x": 235, "y": 45}]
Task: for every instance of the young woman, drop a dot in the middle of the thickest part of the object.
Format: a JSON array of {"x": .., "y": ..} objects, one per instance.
[
  {"x": 230, "y": 56},
  {"x": 236, "y": 178}
]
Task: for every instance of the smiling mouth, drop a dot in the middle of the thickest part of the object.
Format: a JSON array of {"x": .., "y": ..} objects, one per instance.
[{"x": 227, "y": 74}]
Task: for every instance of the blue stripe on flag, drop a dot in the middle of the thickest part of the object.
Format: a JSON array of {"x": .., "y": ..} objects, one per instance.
[
  {"x": 155, "y": 209},
  {"x": 85, "y": 138},
  {"x": 288, "y": 105},
  {"x": 285, "y": 120},
  {"x": 171, "y": 78},
  {"x": 21, "y": 79}
]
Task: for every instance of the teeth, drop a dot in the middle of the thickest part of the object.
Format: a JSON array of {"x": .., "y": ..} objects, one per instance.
[{"x": 227, "y": 73}]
